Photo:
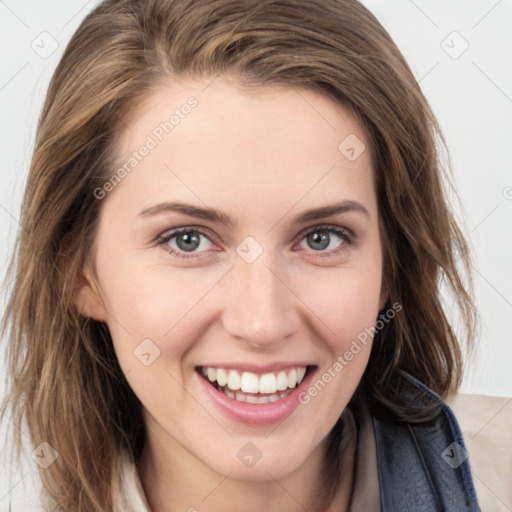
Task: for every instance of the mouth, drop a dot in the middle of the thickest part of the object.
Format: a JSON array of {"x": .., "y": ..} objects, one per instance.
[
  {"x": 253, "y": 397},
  {"x": 255, "y": 388}
]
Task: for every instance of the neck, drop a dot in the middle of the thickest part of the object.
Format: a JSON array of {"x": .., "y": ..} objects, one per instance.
[{"x": 174, "y": 479}]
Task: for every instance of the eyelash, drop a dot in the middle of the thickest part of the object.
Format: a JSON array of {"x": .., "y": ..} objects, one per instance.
[{"x": 344, "y": 234}]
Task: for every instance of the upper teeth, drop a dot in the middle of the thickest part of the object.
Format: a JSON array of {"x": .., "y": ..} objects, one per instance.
[{"x": 249, "y": 382}]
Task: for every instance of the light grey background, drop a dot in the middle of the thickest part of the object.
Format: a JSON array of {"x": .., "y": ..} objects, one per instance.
[{"x": 470, "y": 90}]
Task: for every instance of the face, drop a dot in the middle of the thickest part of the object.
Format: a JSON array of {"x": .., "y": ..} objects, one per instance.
[{"x": 237, "y": 255}]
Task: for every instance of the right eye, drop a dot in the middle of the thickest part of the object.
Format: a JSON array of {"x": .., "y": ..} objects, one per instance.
[{"x": 183, "y": 242}]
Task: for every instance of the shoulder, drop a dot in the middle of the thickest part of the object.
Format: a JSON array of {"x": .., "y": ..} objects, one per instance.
[{"x": 424, "y": 466}]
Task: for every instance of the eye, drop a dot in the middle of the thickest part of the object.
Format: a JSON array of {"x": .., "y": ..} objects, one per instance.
[
  {"x": 185, "y": 240},
  {"x": 327, "y": 237}
]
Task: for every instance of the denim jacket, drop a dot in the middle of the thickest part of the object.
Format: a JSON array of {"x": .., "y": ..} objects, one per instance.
[{"x": 424, "y": 467}]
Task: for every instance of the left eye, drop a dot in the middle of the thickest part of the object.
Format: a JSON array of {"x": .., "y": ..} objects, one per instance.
[
  {"x": 183, "y": 241},
  {"x": 321, "y": 238}
]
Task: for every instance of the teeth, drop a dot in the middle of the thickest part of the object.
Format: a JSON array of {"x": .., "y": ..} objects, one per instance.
[
  {"x": 282, "y": 381},
  {"x": 241, "y": 397},
  {"x": 269, "y": 383},
  {"x": 222, "y": 377},
  {"x": 249, "y": 383},
  {"x": 292, "y": 378},
  {"x": 234, "y": 380},
  {"x": 212, "y": 374},
  {"x": 229, "y": 394},
  {"x": 251, "y": 399}
]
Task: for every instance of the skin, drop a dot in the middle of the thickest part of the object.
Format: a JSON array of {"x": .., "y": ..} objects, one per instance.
[{"x": 262, "y": 156}]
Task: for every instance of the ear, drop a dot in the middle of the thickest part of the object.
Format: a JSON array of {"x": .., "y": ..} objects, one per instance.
[{"x": 86, "y": 296}]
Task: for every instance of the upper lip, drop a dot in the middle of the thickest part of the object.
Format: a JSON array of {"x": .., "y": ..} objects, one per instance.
[{"x": 258, "y": 369}]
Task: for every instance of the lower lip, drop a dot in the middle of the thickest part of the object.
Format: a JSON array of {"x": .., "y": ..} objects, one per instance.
[{"x": 257, "y": 414}]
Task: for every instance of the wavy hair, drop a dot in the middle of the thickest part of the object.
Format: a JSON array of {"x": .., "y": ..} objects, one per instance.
[{"x": 65, "y": 381}]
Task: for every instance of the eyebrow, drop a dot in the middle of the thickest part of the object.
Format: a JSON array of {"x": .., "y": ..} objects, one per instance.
[{"x": 220, "y": 217}]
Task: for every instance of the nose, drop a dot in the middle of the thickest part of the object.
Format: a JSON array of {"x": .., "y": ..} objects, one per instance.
[{"x": 259, "y": 306}]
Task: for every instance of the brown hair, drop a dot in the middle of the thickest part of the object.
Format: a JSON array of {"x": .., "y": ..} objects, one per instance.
[{"x": 66, "y": 382}]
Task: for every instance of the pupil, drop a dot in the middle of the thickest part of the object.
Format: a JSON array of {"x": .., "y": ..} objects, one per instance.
[
  {"x": 191, "y": 242},
  {"x": 321, "y": 239}
]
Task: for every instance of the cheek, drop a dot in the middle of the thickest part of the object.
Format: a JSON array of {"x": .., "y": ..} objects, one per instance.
[
  {"x": 344, "y": 304},
  {"x": 344, "y": 319},
  {"x": 154, "y": 310},
  {"x": 148, "y": 300}
]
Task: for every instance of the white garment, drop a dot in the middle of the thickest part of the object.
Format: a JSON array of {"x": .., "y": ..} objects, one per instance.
[{"x": 131, "y": 495}]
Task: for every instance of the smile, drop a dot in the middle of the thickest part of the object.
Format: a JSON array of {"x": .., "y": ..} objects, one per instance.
[
  {"x": 252, "y": 388},
  {"x": 251, "y": 395}
]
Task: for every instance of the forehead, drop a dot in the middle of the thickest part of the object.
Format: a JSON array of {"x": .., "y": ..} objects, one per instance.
[{"x": 218, "y": 139}]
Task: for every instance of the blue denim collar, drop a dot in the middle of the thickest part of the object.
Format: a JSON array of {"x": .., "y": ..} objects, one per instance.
[{"x": 423, "y": 466}]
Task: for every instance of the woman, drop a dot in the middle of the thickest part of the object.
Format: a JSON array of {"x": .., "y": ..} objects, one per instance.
[{"x": 227, "y": 284}]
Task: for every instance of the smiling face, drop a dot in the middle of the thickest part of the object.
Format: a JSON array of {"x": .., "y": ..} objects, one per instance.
[{"x": 260, "y": 279}]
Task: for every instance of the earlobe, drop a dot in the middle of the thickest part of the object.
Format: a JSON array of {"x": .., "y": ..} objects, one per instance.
[{"x": 87, "y": 298}]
